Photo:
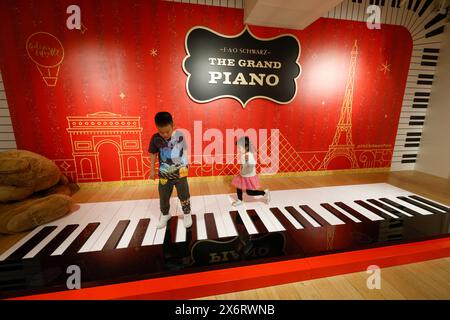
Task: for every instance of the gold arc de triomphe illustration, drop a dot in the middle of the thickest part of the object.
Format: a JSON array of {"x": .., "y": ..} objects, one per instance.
[
  {"x": 344, "y": 148},
  {"x": 88, "y": 133}
]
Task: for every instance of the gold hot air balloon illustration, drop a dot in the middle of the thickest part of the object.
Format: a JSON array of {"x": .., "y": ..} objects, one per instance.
[{"x": 47, "y": 52}]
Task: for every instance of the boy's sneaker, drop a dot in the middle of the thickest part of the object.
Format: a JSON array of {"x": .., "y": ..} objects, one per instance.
[
  {"x": 266, "y": 196},
  {"x": 187, "y": 220},
  {"x": 163, "y": 220},
  {"x": 237, "y": 203}
]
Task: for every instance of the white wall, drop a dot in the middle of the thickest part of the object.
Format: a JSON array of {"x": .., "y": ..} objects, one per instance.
[{"x": 434, "y": 154}]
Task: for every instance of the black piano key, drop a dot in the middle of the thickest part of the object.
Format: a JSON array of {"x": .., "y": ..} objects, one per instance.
[
  {"x": 257, "y": 222},
  {"x": 430, "y": 50},
  {"x": 426, "y": 100},
  {"x": 425, "y": 7},
  {"x": 428, "y": 57},
  {"x": 139, "y": 233},
  {"x": 238, "y": 223},
  {"x": 411, "y": 145},
  {"x": 81, "y": 239},
  {"x": 377, "y": 211},
  {"x": 428, "y": 63},
  {"x": 57, "y": 241},
  {"x": 116, "y": 235},
  {"x": 353, "y": 212},
  {"x": 192, "y": 233},
  {"x": 173, "y": 225},
  {"x": 282, "y": 219},
  {"x": 31, "y": 243},
  {"x": 419, "y": 204},
  {"x": 316, "y": 217},
  {"x": 410, "y": 3},
  {"x": 299, "y": 217},
  {"x": 416, "y": 6},
  {"x": 439, "y": 17},
  {"x": 211, "y": 229},
  {"x": 337, "y": 213},
  {"x": 387, "y": 208},
  {"x": 399, "y": 206},
  {"x": 435, "y": 32},
  {"x": 431, "y": 203}
]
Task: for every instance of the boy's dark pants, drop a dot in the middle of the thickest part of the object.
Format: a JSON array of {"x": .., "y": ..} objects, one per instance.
[{"x": 165, "y": 191}]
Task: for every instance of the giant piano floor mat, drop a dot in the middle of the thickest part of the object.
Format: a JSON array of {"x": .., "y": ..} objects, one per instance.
[{"x": 113, "y": 250}]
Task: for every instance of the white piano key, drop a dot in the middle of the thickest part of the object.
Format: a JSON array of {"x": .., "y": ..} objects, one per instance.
[
  {"x": 43, "y": 243},
  {"x": 154, "y": 219},
  {"x": 94, "y": 210},
  {"x": 201, "y": 226},
  {"x": 18, "y": 244},
  {"x": 407, "y": 194},
  {"x": 288, "y": 216},
  {"x": 122, "y": 213},
  {"x": 181, "y": 231},
  {"x": 389, "y": 206},
  {"x": 137, "y": 214},
  {"x": 246, "y": 220},
  {"x": 381, "y": 209},
  {"x": 308, "y": 217},
  {"x": 105, "y": 219},
  {"x": 75, "y": 217},
  {"x": 159, "y": 235},
  {"x": 212, "y": 206},
  {"x": 277, "y": 224},
  {"x": 174, "y": 212},
  {"x": 263, "y": 216},
  {"x": 345, "y": 213},
  {"x": 224, "y": 203},
  {"x": 72, "y": 218},
  {"x": 327, "y": 215}
]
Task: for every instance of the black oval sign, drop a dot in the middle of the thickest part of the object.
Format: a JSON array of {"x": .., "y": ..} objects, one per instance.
[{"x": 242, "y": 67}]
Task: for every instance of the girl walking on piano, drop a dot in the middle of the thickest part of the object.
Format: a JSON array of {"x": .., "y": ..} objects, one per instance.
[{"x": 247, "y": 179}]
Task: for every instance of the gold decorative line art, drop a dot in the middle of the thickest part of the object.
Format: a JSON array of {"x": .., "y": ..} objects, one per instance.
[
  {"x": 38, "y": 49},
  {"x": 94, "y": 130},
  {"x": 344, "y": 127}
]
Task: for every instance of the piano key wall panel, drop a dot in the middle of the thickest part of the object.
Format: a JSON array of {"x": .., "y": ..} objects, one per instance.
[
  {"x": 7, "y": 139},
  {"x": 434, "y": 154},
  {"x": 426, "y": 26}
]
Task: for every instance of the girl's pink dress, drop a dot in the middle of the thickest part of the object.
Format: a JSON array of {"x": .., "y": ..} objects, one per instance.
[
  {"x": 247, "y": 179},
  {"x": 244, "y": 183}
]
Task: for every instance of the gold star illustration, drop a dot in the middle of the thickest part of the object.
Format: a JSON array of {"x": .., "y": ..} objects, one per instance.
[
  {"x": 122, "y": 95},
  {"x": 385, "y": 67},
  {"x": 154, "y": 52}
]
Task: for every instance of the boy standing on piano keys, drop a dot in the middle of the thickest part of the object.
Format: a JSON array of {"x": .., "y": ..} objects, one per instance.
[
  {"x": 247, "y": 178},
  {"x": 171, "y": 147}
]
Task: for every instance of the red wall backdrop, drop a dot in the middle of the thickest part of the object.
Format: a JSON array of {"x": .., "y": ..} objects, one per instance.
[{"x": 126, "y": 64}]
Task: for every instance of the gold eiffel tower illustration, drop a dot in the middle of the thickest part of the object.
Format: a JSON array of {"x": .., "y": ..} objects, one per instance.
[{"x": 342, "y": 144}]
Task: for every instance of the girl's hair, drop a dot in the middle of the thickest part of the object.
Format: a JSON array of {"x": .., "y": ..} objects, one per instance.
[{"x": 244, "y": 142}]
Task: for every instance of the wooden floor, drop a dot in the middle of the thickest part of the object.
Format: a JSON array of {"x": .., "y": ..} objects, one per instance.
[{"x": 424, "y": 280}]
